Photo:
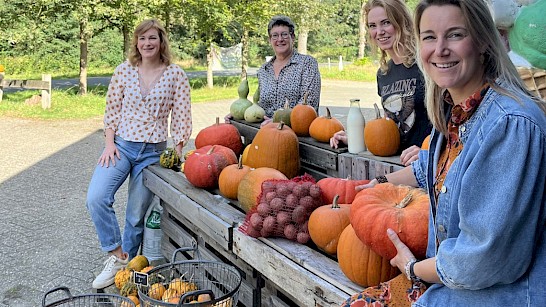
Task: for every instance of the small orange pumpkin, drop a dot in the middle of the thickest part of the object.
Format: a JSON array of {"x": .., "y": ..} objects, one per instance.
[
  {"x": 426, "y": 142},
  {"x": 220, "y": 134},
  {"x": 323, "y": 127},
  {"x": 344, "y": 187},
  {"x": 276, "y": 146},
  {"x": 381, "y": 135},
  {"x": 326, "y": 224},
  {"x": 230, "y": 177},
  {"x": 250, "y": 186},
  {"x": 302, "y": 116},
  {"x": 359, "y": 263},
  {"x": 203, "y": 167},
  {"x": 402, "y": 208}
]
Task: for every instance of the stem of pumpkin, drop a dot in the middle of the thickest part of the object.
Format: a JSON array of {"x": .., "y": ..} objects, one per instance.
[
  {"x": 328, "y": 115},
  {"x": 210, "y": 150},
  {"x": 240, "y": 163},
  {"x": 377, "y": 112},
  {"x": 405, "y": 201},
  {"x": 305, "y": 98},
  {"x": 281, "y": 125},
  {"x": 217, "y": 121},
  {"x": 335, "y": 205}
]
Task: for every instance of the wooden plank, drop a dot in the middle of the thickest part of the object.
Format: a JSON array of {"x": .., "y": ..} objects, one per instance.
[
  {"x": 324, "y": 267},
  {"x": 26, "y": 84},
  {"x": 366, "y": 166},
  {"x": 299, "y": 284},
  {"x": 175, "y": 236},
  {"x": 218, "y": 205},
  {"x": 204, "y": 220}
]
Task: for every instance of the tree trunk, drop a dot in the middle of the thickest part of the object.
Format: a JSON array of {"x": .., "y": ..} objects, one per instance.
[
  {"x": 302, "y": 40},
  {"x": 126, "y": 40},
  {"x": 210, "y": 81},
  {"x": 361, "y": 33},
  {"x": 83, "y": 56},
  {"x": 244, "y": 53}
]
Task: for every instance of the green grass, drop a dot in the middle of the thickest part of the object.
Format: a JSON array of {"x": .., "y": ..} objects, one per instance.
[{"x": 67, "y": 104}]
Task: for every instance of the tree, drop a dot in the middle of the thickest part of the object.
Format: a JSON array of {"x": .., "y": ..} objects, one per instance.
[
  {"x": 252, "y": 16},
  {"x": 207, "y": 18}
]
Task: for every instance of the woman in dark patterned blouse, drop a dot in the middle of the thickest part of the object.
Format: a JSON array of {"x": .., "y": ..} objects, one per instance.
[{"x": 289, "y": 74}]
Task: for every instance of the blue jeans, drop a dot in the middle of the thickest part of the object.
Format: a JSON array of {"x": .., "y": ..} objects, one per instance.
[{"x": 134, "y": 157}]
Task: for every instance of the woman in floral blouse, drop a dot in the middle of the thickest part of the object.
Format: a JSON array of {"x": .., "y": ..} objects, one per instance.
[
  {"x": 289, "y": 74},
  {"x": 142, "y": 93}
]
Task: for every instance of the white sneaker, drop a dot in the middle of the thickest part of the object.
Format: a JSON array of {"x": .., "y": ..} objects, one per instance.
[{"x": 111, "y": 266}]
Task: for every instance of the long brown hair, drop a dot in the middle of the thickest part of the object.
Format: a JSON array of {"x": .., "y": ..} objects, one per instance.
[
  {"x": 404, "y": 41},
  {"x": 497, "y": 65},
  {"x": 135, "y": 57}
]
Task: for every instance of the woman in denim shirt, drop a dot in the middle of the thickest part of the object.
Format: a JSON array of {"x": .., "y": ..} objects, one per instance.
[{"x": 485, "y": 171}]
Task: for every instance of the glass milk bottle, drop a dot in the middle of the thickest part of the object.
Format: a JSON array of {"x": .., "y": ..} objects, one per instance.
[{"x": 355, "y": 128}]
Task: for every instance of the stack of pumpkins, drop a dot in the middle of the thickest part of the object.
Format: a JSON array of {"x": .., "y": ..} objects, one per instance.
[{"x": 354, "y": 226}]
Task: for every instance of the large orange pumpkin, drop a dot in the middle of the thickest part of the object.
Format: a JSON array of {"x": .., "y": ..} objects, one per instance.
[
  {"x": 359, "y": 263},
  {"x": 203, "y": 167},
  {"x": 402, "y": 208},
  {"x": 230, "y": 177},
  {"x": 323, "y": 127},
  {"x": 326, "y": 224},
  {"x": 344, "y": 187},
  {"x": 250, "y": 186},
  {"x": 276, "y": 146},
  {"x": 302, "y": 116},
  {"x": 220, "y": 134},
  {"x": 381, "y": 135}
]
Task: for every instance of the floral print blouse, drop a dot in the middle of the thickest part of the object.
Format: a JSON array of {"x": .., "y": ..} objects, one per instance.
[
  {"x": 300, "y": 75},
  {"x": 141, "y": 115}
]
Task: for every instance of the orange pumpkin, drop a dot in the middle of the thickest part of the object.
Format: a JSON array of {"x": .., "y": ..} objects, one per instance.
[
  {"x": 402, "y": 208},
  {"x": 276, "y": 146},
  {"x": 203, "y": 167},
  {"x": 426, "y": 142},
  {"x": 344, "y": 187},
  {"x": 381, "y": 135},
  {"x": 302, "y": 116},
  {"x": 250, "y": 186},
  {"x": 323, "y": 127},
  {"x": 220, "y": 134},
  {"x": 229, "y": 179},
  {"x": 326, "y": 224},
  {"x": 359, "y": 263}
]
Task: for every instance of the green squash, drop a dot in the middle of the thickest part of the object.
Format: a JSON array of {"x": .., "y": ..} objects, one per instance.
[
  {"x": 255, "y": 113},
  {"x": 283, "y": 115},
  {"x": 239, "y": 106},
  {"x": 170, "y": 159}
]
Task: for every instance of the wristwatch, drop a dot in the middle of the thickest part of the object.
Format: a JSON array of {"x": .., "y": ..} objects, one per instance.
[{"x": 410, "y": 274}]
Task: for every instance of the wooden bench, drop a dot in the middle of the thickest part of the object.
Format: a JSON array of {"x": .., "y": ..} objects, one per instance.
[
  {"x": 276, "y": 271},
  {"x": 44, "y": 85}
]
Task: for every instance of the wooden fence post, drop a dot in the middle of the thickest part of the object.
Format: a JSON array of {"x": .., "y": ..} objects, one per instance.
[{"x": 46, "y": 93}]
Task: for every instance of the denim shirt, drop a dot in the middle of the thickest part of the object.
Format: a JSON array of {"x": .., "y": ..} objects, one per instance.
[{"x": 491, "y": 213}]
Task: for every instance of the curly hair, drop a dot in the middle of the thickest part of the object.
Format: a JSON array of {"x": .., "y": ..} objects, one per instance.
[
  {"x": 135, "y": 57},
  {"x": 404, "y": 41}
]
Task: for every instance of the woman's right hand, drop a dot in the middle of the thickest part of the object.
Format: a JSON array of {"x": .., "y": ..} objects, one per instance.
[
  {"x": 109, "y": 155},
  {"x": 227, "y": 118},
  {"x": 266, "y": 121},
  {"x": 368, "y": 185},
  {"x": 340, "y": 136}
]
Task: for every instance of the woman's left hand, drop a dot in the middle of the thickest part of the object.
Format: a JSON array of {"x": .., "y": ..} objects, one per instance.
[{"x": 403, "y": 255}]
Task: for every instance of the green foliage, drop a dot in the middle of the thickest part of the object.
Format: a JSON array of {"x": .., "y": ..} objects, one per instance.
[{"x": 365, "y": 73}]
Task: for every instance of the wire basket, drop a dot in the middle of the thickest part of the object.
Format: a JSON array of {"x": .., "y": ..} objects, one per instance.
[
  {"x": 535, "y": 80},
  {"x": 87, "y": 300},
  {"x": 191, "y": 283}
]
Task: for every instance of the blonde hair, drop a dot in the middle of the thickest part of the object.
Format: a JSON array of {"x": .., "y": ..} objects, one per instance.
[
  {"x": 498, "y": 68},
  {"x": 404, "y": 41},
  {"x": 164, "y": 51}
]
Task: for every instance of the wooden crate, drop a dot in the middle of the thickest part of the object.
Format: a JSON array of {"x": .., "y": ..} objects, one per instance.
[
  {"x": 317, "y": 159},
  {"x": 276, "y": 271},
  {"x": 535, "y": 80},
  {"x": 366, "y": 166}
]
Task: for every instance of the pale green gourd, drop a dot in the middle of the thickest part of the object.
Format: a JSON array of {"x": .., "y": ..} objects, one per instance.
[
  {"x": 255, "y": 113},
  {"x": 239, "y": 106}
]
